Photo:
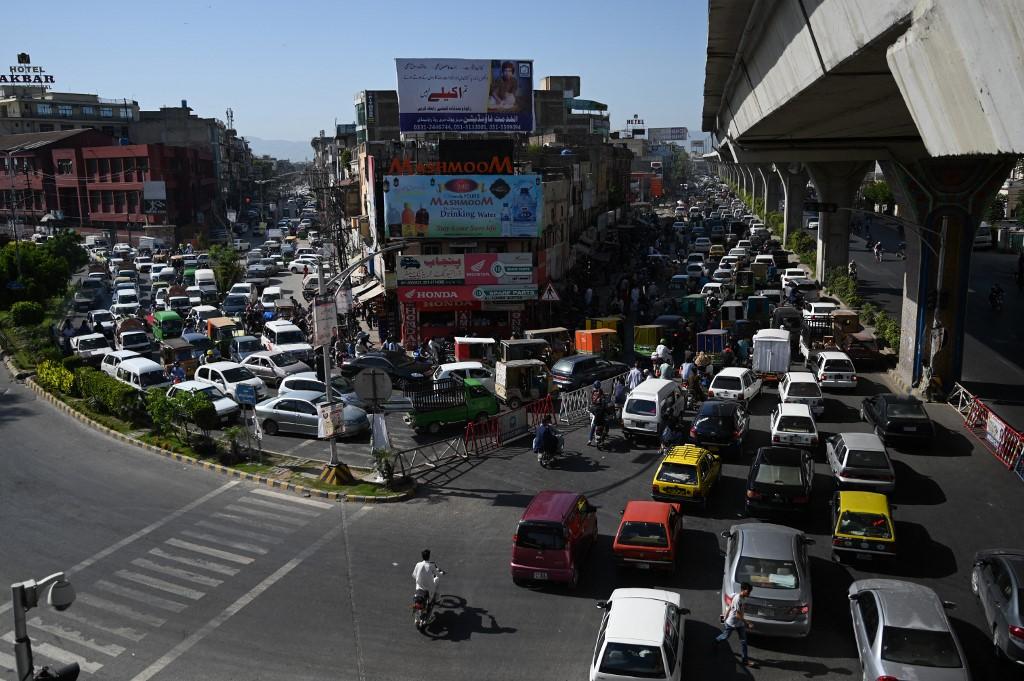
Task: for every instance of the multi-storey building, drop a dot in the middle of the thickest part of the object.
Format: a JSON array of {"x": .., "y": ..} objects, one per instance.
[{"x": 27, "y": 109}]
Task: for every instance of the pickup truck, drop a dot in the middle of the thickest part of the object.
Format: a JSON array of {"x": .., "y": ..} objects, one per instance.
[
  {"x": 815, "y": 336},
  {"x": 240, "y": 245},
  {"x": 455, "y": 400}
]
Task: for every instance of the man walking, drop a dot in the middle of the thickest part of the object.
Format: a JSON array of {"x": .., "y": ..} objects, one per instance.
[
  {"x": 735, "y": 620},
  {"x": 635, "y": 377}
]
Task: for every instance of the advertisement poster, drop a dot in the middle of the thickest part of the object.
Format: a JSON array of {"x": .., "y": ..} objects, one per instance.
[
  {"x": 480, "y": 294},
  {"x": 469, "y": 269},
  {"x": 465, "y": 95},
  {"x": 422, "y": 206}
]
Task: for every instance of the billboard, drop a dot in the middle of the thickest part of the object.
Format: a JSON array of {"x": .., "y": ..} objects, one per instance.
[
  {"x": 419, "y": 206},
  {"x": 470, "y": 269},
  {"x": 656, "y": 135},
  {"x": 455, "y": 294},
  {"x": 465, "y": 95}
]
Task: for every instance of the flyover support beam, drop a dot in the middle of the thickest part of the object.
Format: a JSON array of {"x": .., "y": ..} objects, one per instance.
[
  {"x": 944, "y": 200},
  {"x": 772, "y": 190},
  {"x": 793, "y": 178},
  {"x": 837, "y": 182}
]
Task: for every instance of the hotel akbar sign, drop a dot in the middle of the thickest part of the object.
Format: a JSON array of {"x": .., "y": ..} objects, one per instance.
[{"x": 23, "y": 73}]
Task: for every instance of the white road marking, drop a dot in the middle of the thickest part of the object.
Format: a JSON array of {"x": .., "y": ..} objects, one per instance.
[
  {"x": 249, "y": 522},
  {"x": 160, "y": 584},
  {"x": 210, "y": 565},
  {"x": 123, "y": 632},
  {"x": 279, "y": 507},
  {"x": 236, "y": 532},
  {"x": 140, "y": 596},
  {"x": 109, "y": 649},
  {"x": 291, "y": 498},
  {"x": 141, "y": 533},
  {"x": 269, "y": 515},
  {"x": 299, "y": 446},
  {"x": 215, "y": 553},
  {"x": 58, "y": 654},
  {"x": 208, "y": 628},
  {"x": 117, "y": 609},
  {"x": 170, "y": 571},
  {"x": 8, "y": 662}
]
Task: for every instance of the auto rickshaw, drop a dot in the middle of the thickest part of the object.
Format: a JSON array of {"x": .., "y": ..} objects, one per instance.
[
  {"x": 760, "y": 272},
  {"x": 178, "y": 262},
  {"x": 730, "y": 312},
  {"x": 713, "y": 343},
  {"x": 178, "y": 350},
  {"x": 521, "y": 380},
  {"x": 744, "y": 283},
  {"x": 166, "y": 324},
  {"x": 221, "y": 330},
  {"x": 646, "y": 338},
  {"x": 557, "y": 337},
  {"x": 603, "y": 342},
  {"x": 525, "y": 348},
  {"x": 759, "y": 310},
  {"x": 469, "y": 348},
  {"x": 612, "y": 322},
  {"x": 680, "y": 286},
  {"x": 844, "y": 323},
  {"x": 692, "y": 307}
]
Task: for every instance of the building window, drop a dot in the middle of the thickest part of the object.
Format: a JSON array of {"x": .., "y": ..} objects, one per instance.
[
  {"x": 88, "y": 111},
  {"x": 45, "y": 127},
  {"x": 144, "y": 168},
  {"x": 44, "y": 109},
  {"x": 94, "y": 202},
  {"x": 64, "y": 166},
  {"x": 126, "y": 114},
  {"x": 115, "y": 170},
  {"x": 90, "y": 167},
  {"x": 65, "y": 111},
  {"x": 118, "y": 202},
  {"x": 133, "y": 202},
  {"x": 106, "y": 112}
]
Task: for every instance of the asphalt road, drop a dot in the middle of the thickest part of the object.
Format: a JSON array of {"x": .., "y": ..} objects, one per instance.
[
  {"x": 276, "y": 587},
  {"x": 993, "y": 361}
]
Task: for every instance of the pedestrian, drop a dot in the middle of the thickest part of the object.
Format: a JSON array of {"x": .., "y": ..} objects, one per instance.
[
  {"x": 734, "y": 620},
  {"x": 598, "y": 405},
  {"x": 635, "y": 377},
  {"x": 588, "y": 298},
  {"x": 435, "y": 350},
  {"x": 619, "y": 394}
]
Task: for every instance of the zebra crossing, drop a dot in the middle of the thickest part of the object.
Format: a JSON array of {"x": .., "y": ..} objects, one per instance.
[{"x": 136, "y": 593}]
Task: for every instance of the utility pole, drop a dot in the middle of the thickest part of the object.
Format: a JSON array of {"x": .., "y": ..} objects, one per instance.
[{"x": 334, "y": 468}]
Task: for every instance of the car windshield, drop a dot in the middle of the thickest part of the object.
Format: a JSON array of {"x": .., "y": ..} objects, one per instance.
[
  {"x": 563, "y": 367},
  {"x": 631, "y": 660},
  {"x": 211, "y": 391},
  {"x": 251, "y": 345},
  {"x": 867, "y": 458},
  {"x": 127, "y": 299},
  {"x": 236, "y": 374},
  {"x": 771, "y": 474},
  {"x": 92, "y": 343},
  {"x": 201, "y": 343},
  {"x": 678, "y": 473},
  {"x": 726, "y": 383},
  {"x": 906, "y": 410},
  {"x": 865, "y": 525},
  {"x": 920, "y": 648},
  {"x": 804, "y": 390},
  {"x": 133, "y": 337},
  {"x": 833, "y": 365},
  {"x": 642, "y": 534},
  {"x": 150, "y": 378},
  {"x": 102, "y": 317},
  {"x": 286, "y": 337},
  {"x": 284, "y": 359},
  {"x": 235, "y": 301},
  {"x": 543, "y": 537},
  {"x": 795, "y": 424},
  {"x": 642, "y": 407},
  {"x": 766, "y": 573}
]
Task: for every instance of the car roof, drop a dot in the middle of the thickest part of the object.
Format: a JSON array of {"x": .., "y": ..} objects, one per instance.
[
  {"x": 550, "y": 505},
  {"x": 892, "y": 398},
  {"x": 867, "y": 502},
  {"x": 717, "y": 407},
  {"x": 454, "y": 366},
  {"x": 140, "y": 363},
  {"x": 801, "y": 377},
  {"x": 308, "y": 395},
  {"x": 222, "y": 366},
  {"x": 685, "y": 454},
  {"x": 732, "y": 371},
  {"x": 651, "y": 386},
  {"x": 766, "y": 540},
  {"x": 646, "y": 511},
  {"x": 191, "y": 386},
  {"x": 791, "y": 409},
  {"x": 906, "y": 604},
  {"x": 639, "y": 615},
  {"x": 280, "y": 324},
  {"x": 123, "y": 354},
  {"x": 91, "y": 336}
]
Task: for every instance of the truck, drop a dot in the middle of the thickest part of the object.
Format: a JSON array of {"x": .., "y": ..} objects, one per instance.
[
  {"x": 815, "y": 335},
  {"x": 96, "y": 241},
  {"x": 453, "y": 400},
  {"x": 771, "y": 354},
  {"x": 150, "y": 243},
  {"x": 275, "y": 233}
]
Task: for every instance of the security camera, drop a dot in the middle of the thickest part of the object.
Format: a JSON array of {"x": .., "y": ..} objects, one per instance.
[{"x": 61, "y": 595}]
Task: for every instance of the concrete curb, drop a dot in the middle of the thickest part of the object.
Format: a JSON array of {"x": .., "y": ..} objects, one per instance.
[{"x": 215, "y": 467}]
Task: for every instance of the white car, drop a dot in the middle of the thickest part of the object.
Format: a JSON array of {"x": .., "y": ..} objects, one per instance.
[
  {"x": 735, "y": 383},
  {"x": 90, "y": 346},
  {"x": 801, "y": 387},
  {"x": 835, "y": 369},
  {"x": 696, "y": 258},
  {"x": 695, "y": 269},
  {"x": 466, "y": 370},
  {"x": 722, "y": 276},
  {"x": 281, "y": 334},
  {"x": 716, "y": 289},
  {"x": 227, "y": 409},
  {"x": 860, "y": 461},
  {"x": 247, "y": 289},
  {"x": 793, "y": 424},
  {"x": 307, "y": 380},
  {"x": 270, "y": 297},
  {"x": 113, "y": 359},
  {"x": 304, "y": 263},
  {"x": 792, "y": 273},
  {"x": 641, "y": 636},
  {"x": 743, "y": 245},
  {"x": 819, "y": 311},
  {"x": 228, "y": 376},
  {"x": 730, "y": 261},
  {"x": 702, "y": 245}
]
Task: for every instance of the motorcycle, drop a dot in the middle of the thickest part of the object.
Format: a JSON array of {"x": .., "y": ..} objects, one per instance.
[
  {"x": 423, "y": 603},
  {"x": 995, "y": 299},
  {"x": 546, "y": 458},
  {"x": 601, "y": 432}
]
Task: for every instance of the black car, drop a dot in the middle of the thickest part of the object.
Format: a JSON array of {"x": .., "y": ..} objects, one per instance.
[
  {"x": 898, "y": 419},
  {"x": 402, "y": 375},
  {"x": 780, "y": 479},
  {"x": 720, "y": 425},
  {"x": 234, "y": 304},
  {"x": 578, "y": 371}
]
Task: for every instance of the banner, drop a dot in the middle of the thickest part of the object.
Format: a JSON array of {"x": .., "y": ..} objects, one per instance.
[
  {"x": 465, "y": 95},
  {"x": 657, "y": 135},
  {"x": 325, "y": 320},
  {"x": 469, "y": 269},
  {"x": 331, "y": 420},
  {"x": 420, "y": 206},
  {"x": 482, "y": 294}
]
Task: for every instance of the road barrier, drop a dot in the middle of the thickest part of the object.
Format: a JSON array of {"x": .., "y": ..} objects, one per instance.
[
  {"x": 574, "y": 406},
  {"x": 497, "y": 431},
  {"x": 538, "y": 409},
  {"x": 1005, "y": 443},
  {"x": 409, "y": 462}
]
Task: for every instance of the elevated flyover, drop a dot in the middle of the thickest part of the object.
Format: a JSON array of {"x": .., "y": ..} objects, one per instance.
[{"x": 931, "y": 89}]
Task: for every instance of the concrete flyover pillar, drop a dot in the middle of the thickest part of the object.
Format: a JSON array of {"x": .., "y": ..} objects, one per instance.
[
  {"x": 793, "y": 180},
  {"x": 944, "y": 200},
  {"x": 836, "y": 182},
  {"x": 772, "y": 189}
]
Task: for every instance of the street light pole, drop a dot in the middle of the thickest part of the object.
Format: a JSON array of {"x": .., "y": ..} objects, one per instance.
[{"x": 322, "y": 290}]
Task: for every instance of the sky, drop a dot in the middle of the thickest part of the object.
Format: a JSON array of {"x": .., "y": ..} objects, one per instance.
[{"x": 290, "y": 69}]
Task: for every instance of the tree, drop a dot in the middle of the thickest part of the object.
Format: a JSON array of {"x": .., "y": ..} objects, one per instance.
[
  {"x": 226, "y": 267},
  {"x": 878, "y": 193},
  {"x": 996, "y": 210}
]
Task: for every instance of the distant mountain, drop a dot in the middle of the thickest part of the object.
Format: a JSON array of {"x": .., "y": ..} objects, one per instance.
[{"x": 283, "y": 149}]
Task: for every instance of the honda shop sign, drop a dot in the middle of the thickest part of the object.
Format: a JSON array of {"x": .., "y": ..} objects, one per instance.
[
  {"x": 465, "y": 270},
  {"x": 480, "y": 294},
  {"x": 505, "y": 294}
]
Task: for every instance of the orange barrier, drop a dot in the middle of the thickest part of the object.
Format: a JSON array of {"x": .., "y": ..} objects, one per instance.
[
  {"x": 1005, "y": 443},
  {"x": 538, "y": 409},
  {"x": 482, "y": 436}
]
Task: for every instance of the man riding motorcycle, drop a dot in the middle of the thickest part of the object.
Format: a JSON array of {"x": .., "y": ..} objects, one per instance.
[
  {"x": 426, "y": 576},
  {"x": 545, "y": 442}
]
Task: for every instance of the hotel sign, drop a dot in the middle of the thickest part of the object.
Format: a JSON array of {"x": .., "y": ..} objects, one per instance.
[{"x": 24, "y": 74}]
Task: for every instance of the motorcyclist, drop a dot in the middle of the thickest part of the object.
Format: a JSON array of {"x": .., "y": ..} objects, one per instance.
[
  {"x": 177, "y": 373},
  {"x": 425, "y": 574},
  {"x": 673, "y": 435},
  {"x": 851, "y": 270},
  {"x": 878, "y": 251},
  {"x": 598, "y": 407},
  {"x": 901, "y": 250},
  {"x": 546, "y": 438},
  {"x": 995, "y": 295}
]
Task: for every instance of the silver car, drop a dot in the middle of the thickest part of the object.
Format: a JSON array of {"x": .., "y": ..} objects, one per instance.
[
  {"x": 307, "y": 380},
  {"x": 902, "y": 632},
  {"x": 860, "y": 461},
  {"x": 227, "y": 409},
  {"x": 997, "y": 579},
  {"x": 297, "y": 412},
  {"x": 773, "y": 559},
  {"x": 273, "y": 366}
]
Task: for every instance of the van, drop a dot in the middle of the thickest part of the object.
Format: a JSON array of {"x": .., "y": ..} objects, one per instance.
[
  {"x": 650, "y": 405},
  {"x": 142, "y": 374},
  {"x": 206, "y": 280},
  {"x": 835, "y": 370},
  {"x": 556, "y": 532}
]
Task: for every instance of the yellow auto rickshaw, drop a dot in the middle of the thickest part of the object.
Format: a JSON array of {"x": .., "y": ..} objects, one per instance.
[
  {"x": 221, "y": 330},
  {"x": 646, "y": 338},
  {"x": 521, "y": 380},
  {"x": 178, "y": 350},
  {"x": 603, "y": 342},
  {"x": 525, "y": 348},
  {"x": 731, "y": 312},
  {"x": 557, "y": 337},
  {"x": 611, "y": 322}
]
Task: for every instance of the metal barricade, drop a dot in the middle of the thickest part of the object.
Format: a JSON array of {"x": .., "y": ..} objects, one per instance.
[
  {"x": 960, "y": 399},
  {"x": 482, "y": 436},
  {"x": 575, "y": 405},
  {"x": 538, "y": 409},
  {"x": 408, "y": 462}
]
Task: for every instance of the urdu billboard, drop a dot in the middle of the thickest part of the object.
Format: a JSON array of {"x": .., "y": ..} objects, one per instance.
[
  {"x": 496, "y": 206},
  {"x": 465, "y": 95},
  {"x": 470, "y": 269}
]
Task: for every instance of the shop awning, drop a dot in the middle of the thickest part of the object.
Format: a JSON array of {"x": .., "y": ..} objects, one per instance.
[
  {"x": 372, "y": 292},
  {"x": 358, "y": 291}
]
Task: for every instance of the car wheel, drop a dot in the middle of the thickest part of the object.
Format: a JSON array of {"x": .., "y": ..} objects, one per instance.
[
  {"x": 270, "y": 427},
  {"x": 514, "y": 403}
]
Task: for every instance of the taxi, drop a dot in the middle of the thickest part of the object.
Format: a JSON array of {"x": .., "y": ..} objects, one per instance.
[
  {"x": 716, "y": 252},
  {"x": 687, "y": 473},
  {"x": 862, "y": 526}
]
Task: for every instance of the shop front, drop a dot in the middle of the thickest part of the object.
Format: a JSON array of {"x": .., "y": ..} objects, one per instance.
[{"x": 425, "y": 320}]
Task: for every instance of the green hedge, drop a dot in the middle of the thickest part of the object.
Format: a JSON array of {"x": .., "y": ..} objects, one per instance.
[
  {"x": 843, "y": 286},
  {"x": 54, "y": 377},
  {"x": 113, "y": 396},
  {"x": 806, "y": 248},
  {"x": 27, "y": 313}
]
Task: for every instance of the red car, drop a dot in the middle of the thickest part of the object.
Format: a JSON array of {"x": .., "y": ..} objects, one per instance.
[{"x": 648, "y": 536}]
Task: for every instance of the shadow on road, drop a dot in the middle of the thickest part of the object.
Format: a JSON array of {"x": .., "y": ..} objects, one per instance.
[
  {"x": 456, "y": 620},
  {"x": 915, "y": 489}
]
